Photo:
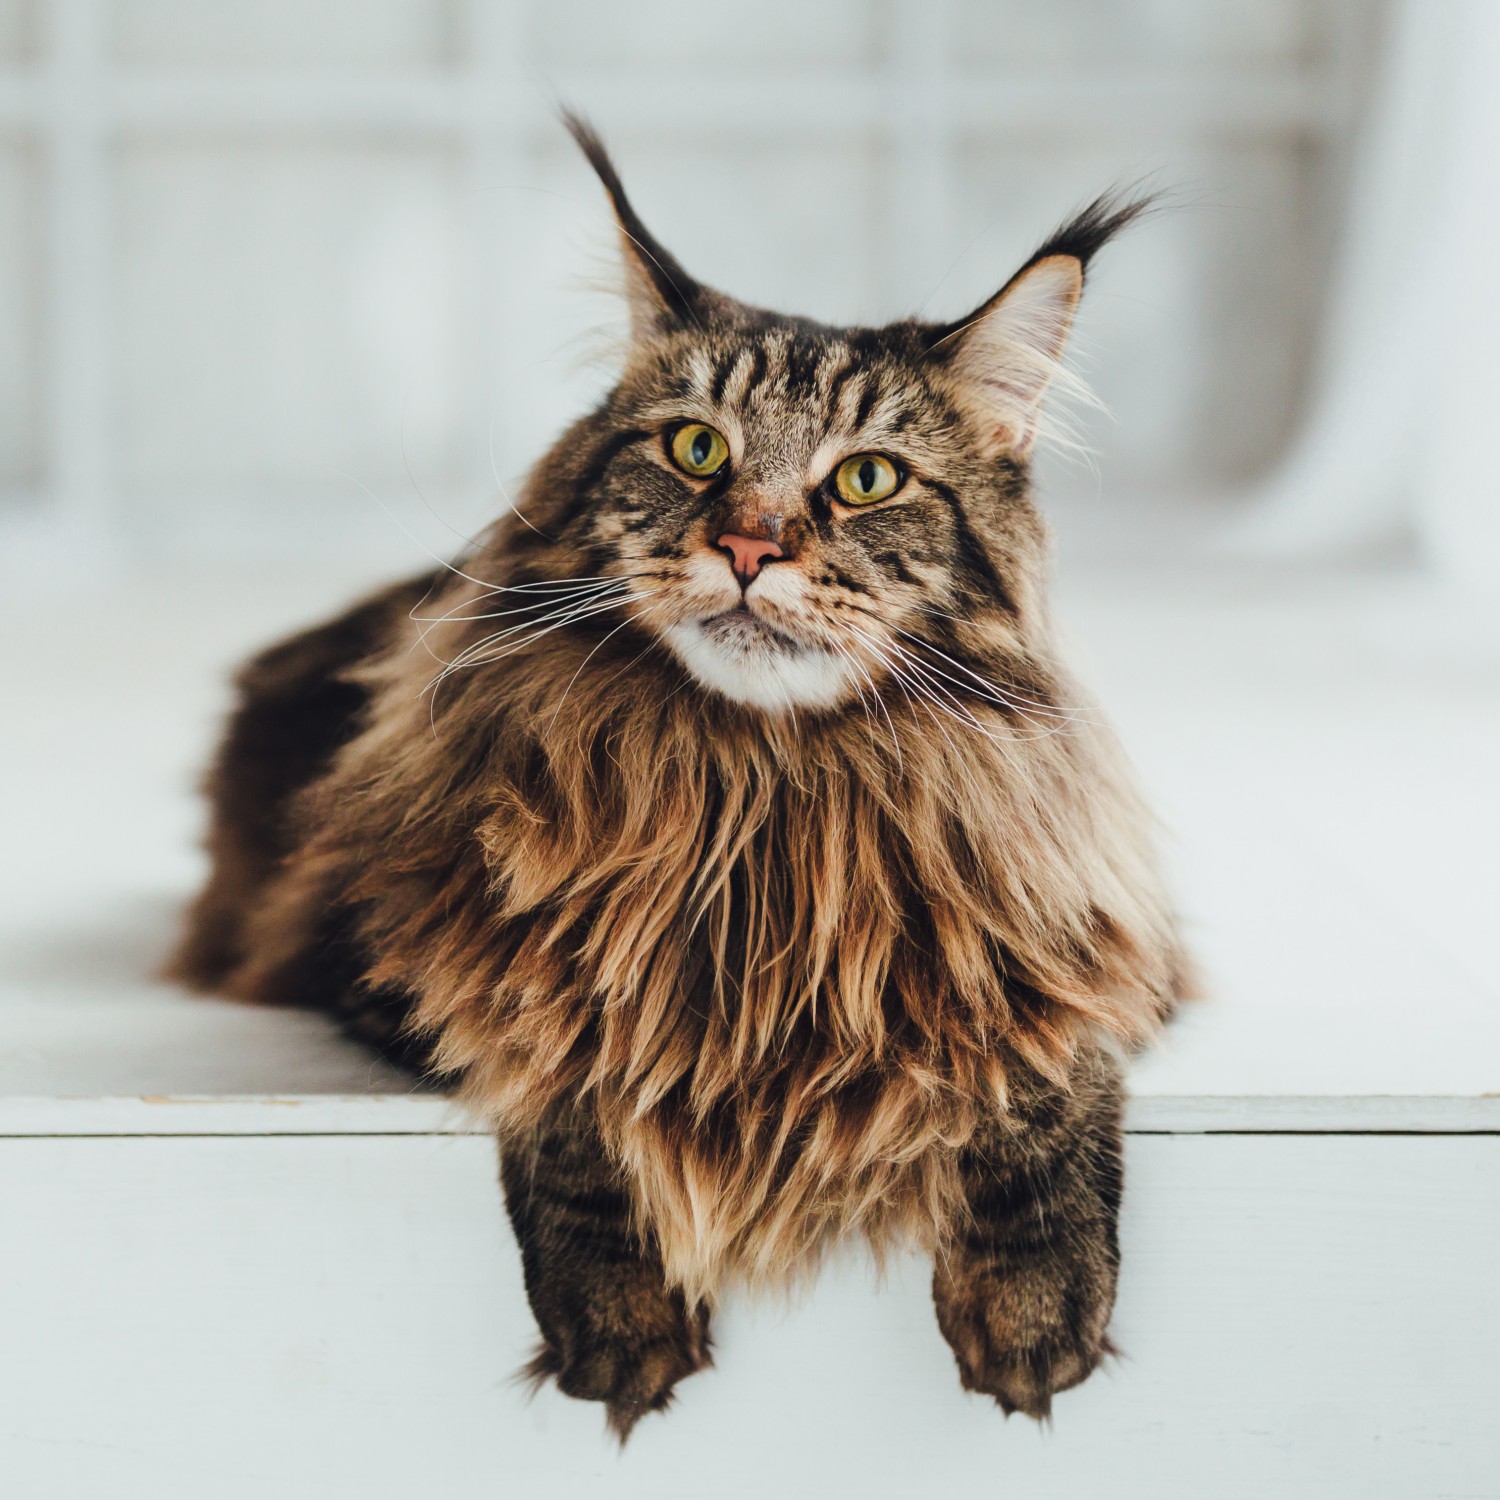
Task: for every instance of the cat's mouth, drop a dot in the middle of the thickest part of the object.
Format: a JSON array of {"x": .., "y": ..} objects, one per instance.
[
  {"x": 742, "y": 628},
  {"x": 739, "y": 653}
]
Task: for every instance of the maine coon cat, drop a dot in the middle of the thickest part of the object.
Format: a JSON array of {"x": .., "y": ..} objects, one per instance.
[{"x": 747, "y": 858}]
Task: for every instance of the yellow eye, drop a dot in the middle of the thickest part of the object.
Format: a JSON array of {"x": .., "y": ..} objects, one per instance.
[
  {"x": 866, "y": 478},
  {"x": 699, "y": 450}
]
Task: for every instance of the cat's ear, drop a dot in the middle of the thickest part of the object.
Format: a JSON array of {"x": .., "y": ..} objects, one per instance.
[
  {"x": 1005, "y": 354},
  {"x": 662, "y": 296}
]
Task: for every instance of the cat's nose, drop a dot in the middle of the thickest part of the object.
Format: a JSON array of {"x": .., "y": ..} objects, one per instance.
[{"x": 748, "y": 554}]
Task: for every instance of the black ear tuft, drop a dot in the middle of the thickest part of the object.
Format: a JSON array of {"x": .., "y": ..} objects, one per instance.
[
  {"x": 1093, "y": 227},
  {"x": 1006, "y": 353},
  {"x": 657, "y": 277}
]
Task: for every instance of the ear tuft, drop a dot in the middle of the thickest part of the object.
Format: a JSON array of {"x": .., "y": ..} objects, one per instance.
[
  {"x": 661, "y": 294},
  {"x": 1093, "y": 227},
  {"x": 1005, "y": 354}
]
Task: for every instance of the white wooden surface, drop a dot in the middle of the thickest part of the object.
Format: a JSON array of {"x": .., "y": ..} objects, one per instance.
[
  {"x": 68, "y": 1118},
  {"x": 315, "y": 1294},
  {"x": 328, "y": 1316}
]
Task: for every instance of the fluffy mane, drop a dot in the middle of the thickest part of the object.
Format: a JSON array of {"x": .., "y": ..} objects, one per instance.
[
  {"x": 782, "y": 959},
  {"x": 652, "y": 857}
]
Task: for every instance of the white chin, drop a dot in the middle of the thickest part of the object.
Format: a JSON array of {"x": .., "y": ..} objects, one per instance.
[{"x": 748, "y": 663}]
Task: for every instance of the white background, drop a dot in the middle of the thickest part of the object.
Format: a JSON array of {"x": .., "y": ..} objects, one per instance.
[{"x": 250, "y": 255}]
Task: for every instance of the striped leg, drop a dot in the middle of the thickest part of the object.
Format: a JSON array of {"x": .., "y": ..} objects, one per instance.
[
  {"x": 612, "y": 1329},
  {"x": 1025, "y": 1284}
]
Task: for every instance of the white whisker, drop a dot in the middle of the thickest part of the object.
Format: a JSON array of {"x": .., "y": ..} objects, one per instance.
[
  {"x": 555, "y": 605},
  {"x": 986, "y": 690},
  {"x": 500, "y": 483},
  {"x": 918, "y": 678},
  {"x": 595, "y": 590},
  {"x": 496, "y": 647},
  {"x": 538, "y": 626},
  {"x": 901, "y": 680},
  {"x": 1010, "y": 697},
  {"x": 581, "y": 665},
  {"x": 440, "y": 561},
  {"x": 864, "y": 672}
]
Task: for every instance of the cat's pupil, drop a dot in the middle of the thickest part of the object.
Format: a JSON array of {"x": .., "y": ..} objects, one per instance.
[
  {"x": 867, "y": 476},
  {"x": 702, "y": 447}
]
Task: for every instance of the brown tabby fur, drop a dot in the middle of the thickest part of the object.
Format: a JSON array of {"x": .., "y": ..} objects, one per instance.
[{"x": 761, "y": 979}]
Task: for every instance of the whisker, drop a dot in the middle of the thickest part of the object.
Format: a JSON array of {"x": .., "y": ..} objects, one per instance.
[
  {"x": 477, "y": 648},
  {"x": 899, "y": 678},
  {"x": 562, "y": 592},
  {"x": 1011, "y": 697},
  {"x": 581, "y": 665},
  {"x": 932, "y": 680},
  {"x": 864, "y": 672},
  {"x": 593, "y": 590},
  {"x": 540, "y": 625},
  {"x": 511, "y": 505},
  {"x": 496, "y": 647},
  {"x": 1007, "y": 696},
  {"x": 943, "y": 698},
  {"x": 934, "y": 695},
  {"x": 556, "y": 606},
  {"x": 433, "y": 688},
  {"x": 928, "y": 699},
  {"x": 987, "y": 689},
  {"x": 549, "y": 587},
  {"x": 442, "y": 562}
]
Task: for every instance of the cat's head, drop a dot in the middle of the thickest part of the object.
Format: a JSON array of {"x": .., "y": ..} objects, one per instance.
[{"x": 803, "y": 513}]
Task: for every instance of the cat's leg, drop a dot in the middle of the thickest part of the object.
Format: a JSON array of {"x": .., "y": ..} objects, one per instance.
[
  {"x": 1024, "y": 1282},
  {"x": 612, "y": 1329}
]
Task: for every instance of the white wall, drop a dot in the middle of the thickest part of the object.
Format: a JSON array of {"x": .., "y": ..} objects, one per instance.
[{"x": 249, "y": 251}]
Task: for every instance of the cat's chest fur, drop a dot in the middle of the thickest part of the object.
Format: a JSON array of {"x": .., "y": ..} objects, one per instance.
[{"x": 785, "y": 973}]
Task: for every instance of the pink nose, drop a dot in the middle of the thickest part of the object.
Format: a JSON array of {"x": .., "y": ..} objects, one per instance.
[{"x": 747, "y": 553}]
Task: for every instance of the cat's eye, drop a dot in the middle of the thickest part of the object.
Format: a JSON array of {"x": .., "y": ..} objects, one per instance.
[
  {"x": 699, "y": 450},
  {"x": 866, "y": 478}
]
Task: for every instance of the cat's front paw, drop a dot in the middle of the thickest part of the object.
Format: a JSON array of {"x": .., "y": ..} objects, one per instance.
[
  {"x": 1023, "y": 1331},
  {"x": 625, "y": 1351}
]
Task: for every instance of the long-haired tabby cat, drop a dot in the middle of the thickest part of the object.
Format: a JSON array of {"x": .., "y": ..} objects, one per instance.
[{"x": 748, "y": 861}]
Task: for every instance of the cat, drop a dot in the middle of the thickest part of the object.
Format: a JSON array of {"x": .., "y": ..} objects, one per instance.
[{"x": 722, "y": 827}]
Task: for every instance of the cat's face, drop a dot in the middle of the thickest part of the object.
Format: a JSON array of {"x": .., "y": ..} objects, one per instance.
[
  {"x": 805, "y": 514},
  {"x": 800, "y": 503}
]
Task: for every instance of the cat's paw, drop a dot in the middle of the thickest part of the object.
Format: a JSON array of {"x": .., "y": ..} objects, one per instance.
[
  {"x": 1023, "y": 1332},
  {"x": 627, "y": 1351}
]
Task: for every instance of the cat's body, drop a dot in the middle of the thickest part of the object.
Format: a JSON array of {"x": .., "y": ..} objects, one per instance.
[{"x": 753, "y": 867}]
